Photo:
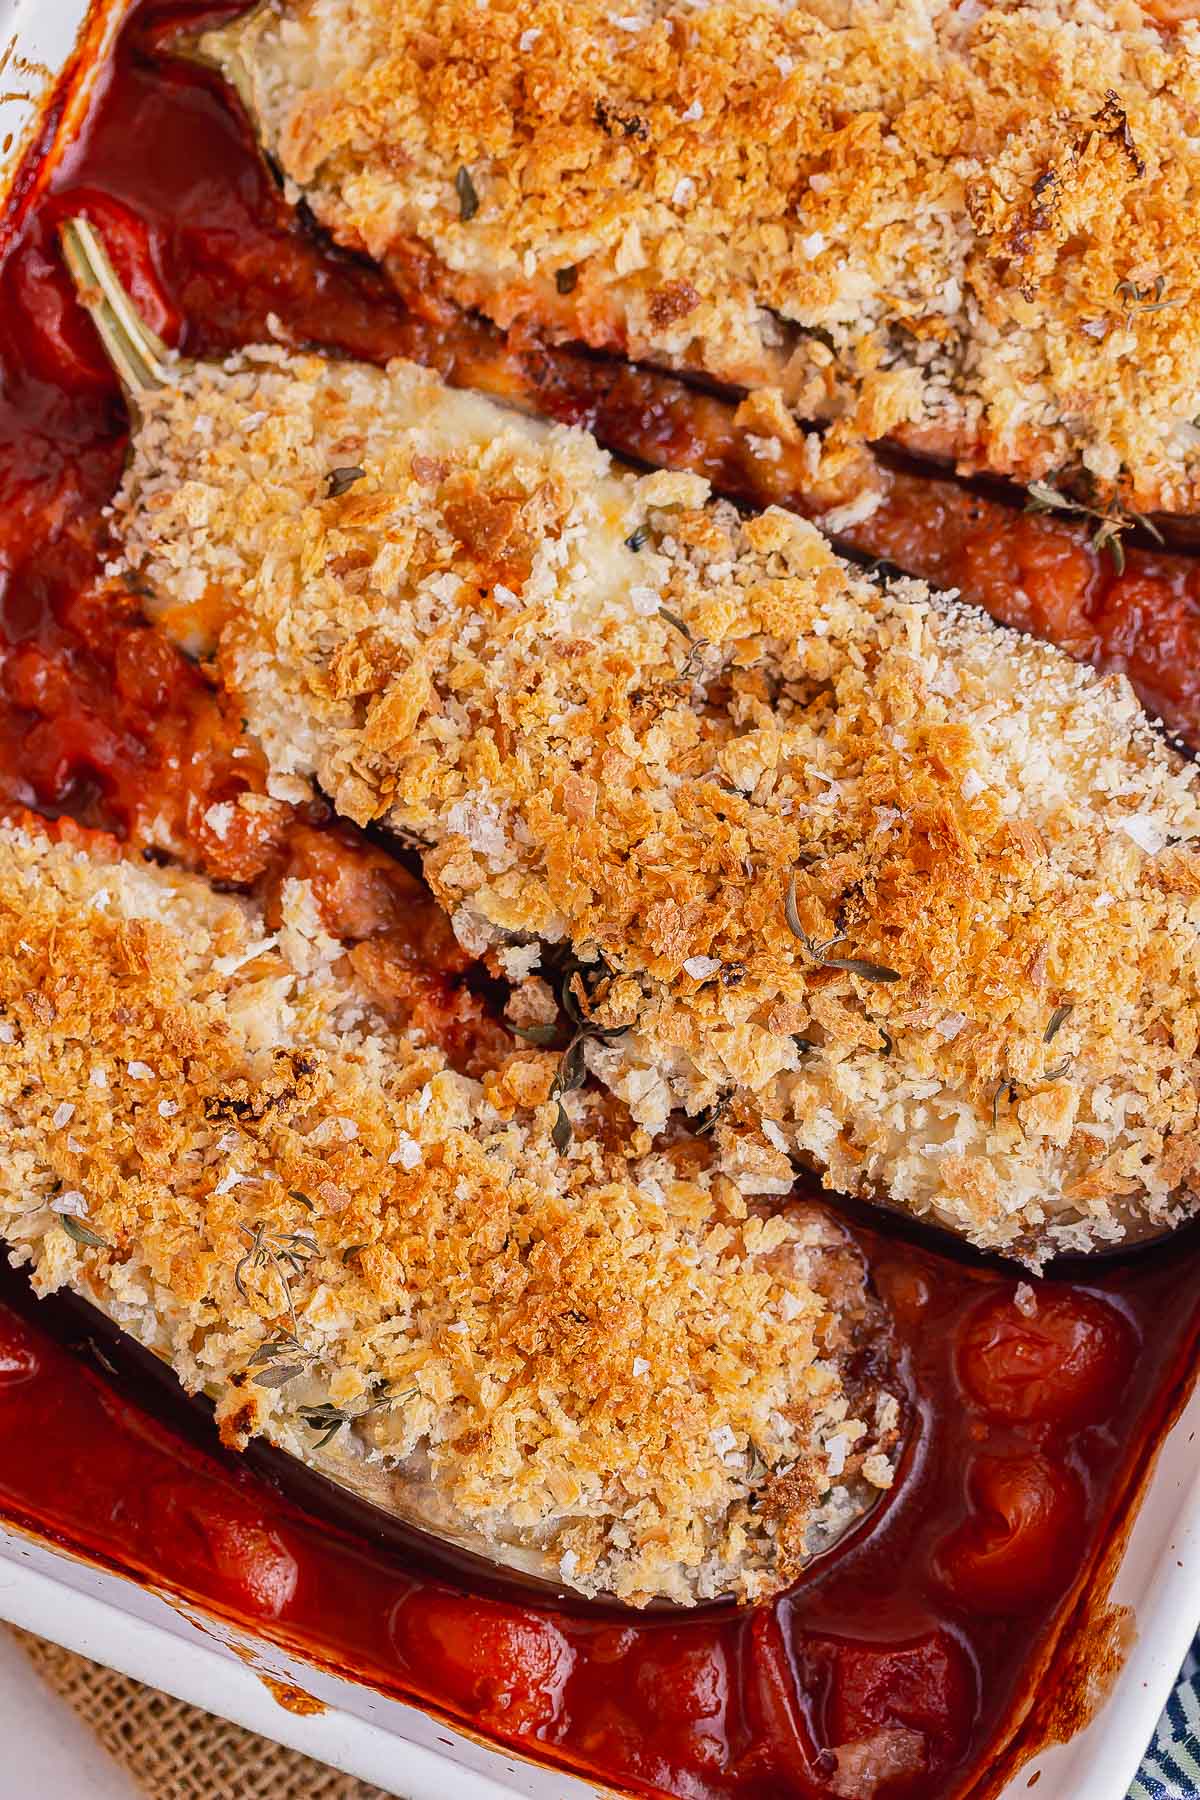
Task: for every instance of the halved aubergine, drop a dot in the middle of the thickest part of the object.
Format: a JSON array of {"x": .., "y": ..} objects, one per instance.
[
  {"x": 597, "y": 1364},
  {"x": 902, "y": 895},
  {"x": 966, "y": 232}
]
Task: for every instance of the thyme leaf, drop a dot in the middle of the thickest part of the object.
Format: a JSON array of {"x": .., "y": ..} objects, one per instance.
[
  {"x": 277, "y": 1375},
  {"x": 674, "y": 619},
  {"x": 273, "y": 1348},
  {"x": 1060, "y": 1068},
  {"x": 561, "y": 1131},
  {"x": 571, "y": 1069},
  {"x": 82, "y": 1234},
  {"x": 535, "y": 1034},
  {"x": 712, "y": 1115},
  {"x": 565, "y": 279},
  {"x": 1058, "y": 1017},
  {"x": 866, "y": 971},
  {"x": 340, "y": 481},
  {"x": 326, "y": 1419},
  {"x": 637, "y": 540},
  {"x": 468, "y": 199},
  {"x": 1005, "y": 1082},
  {"x": 818, "y": 952}
]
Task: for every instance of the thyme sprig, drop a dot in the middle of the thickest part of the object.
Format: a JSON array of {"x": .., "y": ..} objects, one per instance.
[
  {"x": 286, "y": 1252},
  {"x": 278, "y": 1361},
  {"x": 1111, "y": 520},
  {"x": 711, "y": 1116},
  {"x": 326, "y": 1419},
  {"x": 1149, "y": 299},
  {"x": 572, "y": 1069},
  {"x": 853, "y": 965}
]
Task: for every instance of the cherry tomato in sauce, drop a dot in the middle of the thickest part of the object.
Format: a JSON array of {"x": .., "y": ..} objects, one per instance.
[
  {"x": 1019, "y": 1539},
  {"x": 19, "y": 1363},
  {"x": 220, "y": 1534},
  {"x": 1063, "y": 1361},
  {"x": 675, "y": 1694},
  {"x": 505, "y": 1663},
  {"x": 890, "y": 1713}
]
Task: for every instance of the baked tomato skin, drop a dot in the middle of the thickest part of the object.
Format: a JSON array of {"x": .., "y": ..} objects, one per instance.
[
  {"x": 1019, "y": 1542},
  {"x": 222, "y": 1542},
  {"x": 903, "y": 1709},
  {"x": 1064, "y": 1362},
  {"x": 655, "y": 1707},
  {"x": 499, "y": 1663}
]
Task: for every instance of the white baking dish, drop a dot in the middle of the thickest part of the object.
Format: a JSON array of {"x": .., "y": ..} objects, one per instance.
[{"x": 396, "y": 1746}]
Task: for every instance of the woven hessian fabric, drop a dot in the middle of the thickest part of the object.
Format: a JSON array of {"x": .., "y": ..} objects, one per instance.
[{"x": 173, "y": 1751}]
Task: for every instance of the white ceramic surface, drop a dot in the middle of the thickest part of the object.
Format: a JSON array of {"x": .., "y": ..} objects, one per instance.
[{"x": 398, "y": 1747}]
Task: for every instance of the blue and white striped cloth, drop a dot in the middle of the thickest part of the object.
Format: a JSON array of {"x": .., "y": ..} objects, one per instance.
[{"x": 1171, "y": 1767}]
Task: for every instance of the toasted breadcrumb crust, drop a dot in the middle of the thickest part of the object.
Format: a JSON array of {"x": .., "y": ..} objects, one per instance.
[
  {"x": 966, "y": 225},
  {"x": 602, "y": 1363},
  {"x": 917, "y": 895}
]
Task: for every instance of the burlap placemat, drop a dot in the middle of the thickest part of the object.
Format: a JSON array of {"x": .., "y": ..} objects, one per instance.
[{"x": 173, "y": 1751}]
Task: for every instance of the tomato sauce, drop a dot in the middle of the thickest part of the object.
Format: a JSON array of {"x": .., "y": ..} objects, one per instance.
[{"x": 904, "y": 1660}]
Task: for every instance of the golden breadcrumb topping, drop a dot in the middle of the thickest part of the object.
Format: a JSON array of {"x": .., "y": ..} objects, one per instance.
[
  {"x": 916, "y": 896},
  {"x": 966, "y": 225},
  {"x": 600, "y": 1363}
]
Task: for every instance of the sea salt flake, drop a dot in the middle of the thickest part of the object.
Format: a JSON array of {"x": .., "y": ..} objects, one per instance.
[
  {"x": 701, "y": 967},
  {"x": 1146, "y": 833},
  {"x": 408, "y": 1152},
  {"x": 837, "y": 1448},
  {"x": 774, "y": 1135},
  {"x": 71, "y": 1205},
  {"x": 1025, "y": 1300}
]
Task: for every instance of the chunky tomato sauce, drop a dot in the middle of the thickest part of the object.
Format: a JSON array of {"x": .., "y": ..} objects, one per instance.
[{"x": 903, "y": 1662}]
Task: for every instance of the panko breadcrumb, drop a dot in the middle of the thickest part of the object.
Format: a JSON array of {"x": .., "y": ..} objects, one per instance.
[
  {"x": 908, "y": 896},
  {"x": 603, "y": 1366},
  {"x": 969, "y": 227}
]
